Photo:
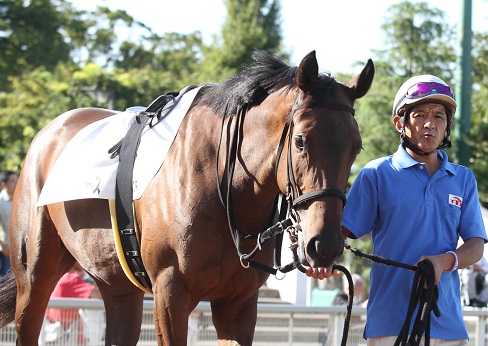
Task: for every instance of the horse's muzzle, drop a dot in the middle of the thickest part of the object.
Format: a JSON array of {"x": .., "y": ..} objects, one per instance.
[{"x": 319, "y": 251}]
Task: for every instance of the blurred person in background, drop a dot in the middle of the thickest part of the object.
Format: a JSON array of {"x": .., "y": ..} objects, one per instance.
[
  {"x": 8, "y": 182},
  {"x": 475, "y": 284},
  {"x": 359, "y": 291},
  {"x": 69, "y": 323}
]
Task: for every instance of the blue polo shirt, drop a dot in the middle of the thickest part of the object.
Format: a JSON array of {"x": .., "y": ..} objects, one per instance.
[{"x": 410, "y": 214}]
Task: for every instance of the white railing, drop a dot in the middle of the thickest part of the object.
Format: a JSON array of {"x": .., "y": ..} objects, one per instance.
[{"x": 278, "y": 324}]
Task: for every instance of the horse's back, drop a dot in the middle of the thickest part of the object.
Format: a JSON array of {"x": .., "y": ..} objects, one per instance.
[
  {"x": 48, "y": 144},
  {"x": 50, "y": 221}
]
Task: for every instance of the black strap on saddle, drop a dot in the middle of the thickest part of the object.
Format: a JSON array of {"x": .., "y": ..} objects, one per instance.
[{"x": 126, "y": 150}]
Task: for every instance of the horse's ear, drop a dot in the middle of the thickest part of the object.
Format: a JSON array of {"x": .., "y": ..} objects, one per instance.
[
  {"x": 362, "y": 82},
  {"x": 307, "y": 73}
]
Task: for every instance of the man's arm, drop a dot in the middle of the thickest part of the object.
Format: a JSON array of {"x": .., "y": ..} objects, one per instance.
[{"x": 468, "y": 253}]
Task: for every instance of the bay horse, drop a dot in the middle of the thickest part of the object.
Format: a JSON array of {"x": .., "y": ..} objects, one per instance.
[{"x": 215, "y": 191}]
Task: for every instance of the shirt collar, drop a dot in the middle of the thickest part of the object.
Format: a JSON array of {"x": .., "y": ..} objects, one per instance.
[
  {"x": 401, "y": 159},
  {"x": 4, "y": 195}
]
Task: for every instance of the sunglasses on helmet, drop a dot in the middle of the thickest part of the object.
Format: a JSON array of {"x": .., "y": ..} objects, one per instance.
[{"x": 425, "y": 89}]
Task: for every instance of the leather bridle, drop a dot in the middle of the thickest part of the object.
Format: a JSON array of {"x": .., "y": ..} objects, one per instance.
[
  {"x": 294, "y": 197},
  {"x": 293, "y": 193}
]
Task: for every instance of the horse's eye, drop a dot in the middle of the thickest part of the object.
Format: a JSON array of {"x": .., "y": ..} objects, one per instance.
[
  {"x": 300, "y": 142},
  {"x": 359, "y": 151}
]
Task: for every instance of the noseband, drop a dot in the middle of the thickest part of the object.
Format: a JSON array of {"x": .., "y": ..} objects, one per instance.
[{"x": 293, "y": 193}]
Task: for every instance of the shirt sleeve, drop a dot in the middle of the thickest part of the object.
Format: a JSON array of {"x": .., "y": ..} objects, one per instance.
[{"x": 361, "y": 208}]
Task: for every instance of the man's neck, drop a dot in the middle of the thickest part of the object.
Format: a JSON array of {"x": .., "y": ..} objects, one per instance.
[{"x": 433, "y": 162}]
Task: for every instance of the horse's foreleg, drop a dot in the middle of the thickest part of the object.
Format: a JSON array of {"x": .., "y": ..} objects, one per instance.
[
  {"x": 172, "y": 307},
  {"x": 123, "y": 315},
  {"x": 235, "y": 322}
]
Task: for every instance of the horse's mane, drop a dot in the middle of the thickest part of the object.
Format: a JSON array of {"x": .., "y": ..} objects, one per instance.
[{"x": 252, "y": 85}]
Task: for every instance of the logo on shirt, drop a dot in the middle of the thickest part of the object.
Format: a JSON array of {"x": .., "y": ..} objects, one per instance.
[{"x": 455, "y": 200}]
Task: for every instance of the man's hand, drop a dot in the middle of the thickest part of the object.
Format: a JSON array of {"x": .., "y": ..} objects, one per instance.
[
  {"x": 322, "y": 273},
  {"x": 439, "y": 263},
  {"x": 468, "y": 253}
]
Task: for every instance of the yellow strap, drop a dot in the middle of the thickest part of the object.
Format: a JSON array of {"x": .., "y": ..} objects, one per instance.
[{"x": 120, "y": 251}]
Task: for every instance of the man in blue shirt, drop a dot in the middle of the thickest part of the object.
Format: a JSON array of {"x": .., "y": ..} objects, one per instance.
[{"x": 416, "y": 204}]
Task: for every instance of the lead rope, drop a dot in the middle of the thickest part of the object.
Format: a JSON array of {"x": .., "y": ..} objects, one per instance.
[
  {"x": 350, "y": 297},
  {"x": 426, "y": 297},
  {"x": 347, "y": 318}
]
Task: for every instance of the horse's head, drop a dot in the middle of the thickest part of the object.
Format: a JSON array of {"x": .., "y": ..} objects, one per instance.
[{"x": 323, "y": 141}]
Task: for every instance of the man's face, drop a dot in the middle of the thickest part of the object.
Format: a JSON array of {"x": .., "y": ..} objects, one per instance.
[
  {"x": 10, "y": 184},
  {"x": 426, "y": 126}
]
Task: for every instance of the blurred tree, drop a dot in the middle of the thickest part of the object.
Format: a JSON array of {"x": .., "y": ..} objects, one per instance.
[
  {"x": 31, "y": 36},
  {"x": 249, "y": 25},
  {"x": 478, "y": 135},
  {"x": 419, "y": 40},
  {"x": 55, "y": 52},
  {"x": 43, "y": 33},
  {"x": 37, "y": 98}
]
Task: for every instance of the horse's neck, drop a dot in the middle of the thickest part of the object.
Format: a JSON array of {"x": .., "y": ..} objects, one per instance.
[{"x": 255, "y": 168}]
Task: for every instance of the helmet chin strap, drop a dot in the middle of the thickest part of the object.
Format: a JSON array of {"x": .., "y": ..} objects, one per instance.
[{"x": 407, "y": 143}]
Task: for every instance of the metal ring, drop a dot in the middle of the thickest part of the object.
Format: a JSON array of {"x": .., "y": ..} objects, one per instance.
[
  {"x": 242, "y": 263},
  {"x": 277, "y": 278}
]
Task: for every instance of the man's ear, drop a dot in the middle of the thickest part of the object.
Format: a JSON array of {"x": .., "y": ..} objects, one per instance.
[{"x": 397, "y": 121}]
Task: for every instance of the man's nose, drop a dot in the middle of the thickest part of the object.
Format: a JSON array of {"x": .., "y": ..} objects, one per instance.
[{"x": 429, "y": 123}]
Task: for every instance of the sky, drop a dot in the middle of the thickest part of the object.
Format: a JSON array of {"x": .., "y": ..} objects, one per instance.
[{"x": 341, "y": 32}]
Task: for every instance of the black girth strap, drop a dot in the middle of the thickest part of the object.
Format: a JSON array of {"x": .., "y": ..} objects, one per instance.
[
  {"x": 126, "y": 149},
  {"x": 124, "y": 199}
]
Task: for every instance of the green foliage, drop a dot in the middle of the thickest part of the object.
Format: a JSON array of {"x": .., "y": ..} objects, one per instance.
[
  {"x": 30, "y": 37},
  {"x": 249, "y": 25},
  {"x": 374, "y": 118},
  {"x": 38, "y": 98},
  {"x": 419, "y": 40},
  {"x": 478, "y": 135},
  {"x": 51, "y": 55}
]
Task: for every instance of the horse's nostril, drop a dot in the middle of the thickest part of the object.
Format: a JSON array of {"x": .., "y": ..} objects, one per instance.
[{"x": 323, "y": 252}]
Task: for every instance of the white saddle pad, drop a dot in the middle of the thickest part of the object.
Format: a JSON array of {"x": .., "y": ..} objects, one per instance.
[{"x": 85, "y": 170}]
